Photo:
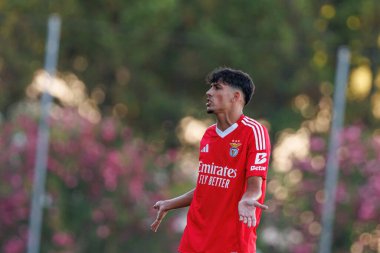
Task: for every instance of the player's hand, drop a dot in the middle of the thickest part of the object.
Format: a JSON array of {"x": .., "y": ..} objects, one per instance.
[
  {"x": 247, "y": 211},
  {"x": 161, "y": 212}
]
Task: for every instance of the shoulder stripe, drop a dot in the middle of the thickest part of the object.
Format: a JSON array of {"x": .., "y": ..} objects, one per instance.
[
  {"x": 260, "y": 141},
  {"x": 254, "y": 132},
  {"x": 260, "y": 129},
  {"x": 259, "y": 135},
  {"x": 258, "y": 132}
]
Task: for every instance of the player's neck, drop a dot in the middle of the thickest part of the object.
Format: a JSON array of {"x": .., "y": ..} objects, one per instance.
[{"x": 226, "y": 119}]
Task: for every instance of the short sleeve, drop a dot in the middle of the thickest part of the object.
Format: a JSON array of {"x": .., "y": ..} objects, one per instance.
[{"x": 258, "y": 155}]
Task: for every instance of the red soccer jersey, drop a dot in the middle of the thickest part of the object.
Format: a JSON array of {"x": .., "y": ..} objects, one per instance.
[{"x": 227, "y": 158}]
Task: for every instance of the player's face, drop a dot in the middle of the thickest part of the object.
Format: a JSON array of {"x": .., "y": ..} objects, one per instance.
[{"x": 219, "y": 97}]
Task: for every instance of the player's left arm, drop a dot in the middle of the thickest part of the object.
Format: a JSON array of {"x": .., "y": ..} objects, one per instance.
[
  {"x": 249, "y": 202},
  {"x": 256, "y": 173}
]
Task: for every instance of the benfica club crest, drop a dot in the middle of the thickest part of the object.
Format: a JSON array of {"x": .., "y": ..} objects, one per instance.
[{"x": 234, "y": 150}]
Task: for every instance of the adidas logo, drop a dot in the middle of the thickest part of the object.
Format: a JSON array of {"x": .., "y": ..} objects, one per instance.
[{"x": 205, "y": 149}]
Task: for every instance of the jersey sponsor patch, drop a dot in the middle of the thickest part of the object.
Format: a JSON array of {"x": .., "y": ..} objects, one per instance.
[
  {"x": 258, "y": 168},
  {"x": 261, "y": 158},
  {"x": 215, "y": 175}
]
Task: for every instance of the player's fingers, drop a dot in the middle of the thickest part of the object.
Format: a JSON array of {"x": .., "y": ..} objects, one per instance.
[
  {"x": 157, "y": 222},
  {"x": 249, "y": 224},
  {"x": 241, "y": 218},
  {"x": 264, "y": 207},
  {"x": 160, "y": 215},
  {"x": 155, "y": 225},
  {"x": 245, "y": 220},
  {"x": 253, "y": 222}
]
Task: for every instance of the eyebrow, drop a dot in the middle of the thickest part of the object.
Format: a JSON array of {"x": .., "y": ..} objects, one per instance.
[{"x": 216, "y": 83}]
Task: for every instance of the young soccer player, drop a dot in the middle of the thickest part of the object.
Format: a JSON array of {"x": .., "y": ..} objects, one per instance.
[{"x": 226, "y": 204}]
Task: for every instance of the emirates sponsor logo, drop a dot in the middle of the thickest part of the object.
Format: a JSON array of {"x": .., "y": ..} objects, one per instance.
[
  {"x": 217, "y": 170},
  {"x": 215, "y": 175}
]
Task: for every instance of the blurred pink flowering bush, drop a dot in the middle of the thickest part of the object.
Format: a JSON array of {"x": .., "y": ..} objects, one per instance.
[
  {"x": 101, "y": 182},
  {"x": 357, "y": 217}
]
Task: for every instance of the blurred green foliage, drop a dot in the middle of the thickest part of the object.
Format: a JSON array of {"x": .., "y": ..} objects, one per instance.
[{"x": 153, "y": 56}]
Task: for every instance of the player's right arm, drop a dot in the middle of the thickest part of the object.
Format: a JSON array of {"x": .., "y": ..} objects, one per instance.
[{"x": 164, "y": 206}]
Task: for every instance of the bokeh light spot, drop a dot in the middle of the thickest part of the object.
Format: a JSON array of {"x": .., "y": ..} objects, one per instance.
[
  {"x": 353, "y": 22},
  {"x": 375, "y": 100},
  {"x": 320, "y": 58},
  {"x": 360, "y": 83},
  {"x": 289, "y": 146},
  {"x": 328, "y": 11},
  {"x": 191, "y": 130},
  {"x": 80, "y": 63},
  {"x": 315, "y": 228},
  {"x": 307, "y": 217}
]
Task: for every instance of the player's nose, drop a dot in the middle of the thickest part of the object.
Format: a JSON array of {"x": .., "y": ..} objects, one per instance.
[{"x": 208, "y": 93}]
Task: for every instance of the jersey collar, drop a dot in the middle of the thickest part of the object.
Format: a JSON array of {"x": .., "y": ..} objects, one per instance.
[{"x": 229, "y": 130}]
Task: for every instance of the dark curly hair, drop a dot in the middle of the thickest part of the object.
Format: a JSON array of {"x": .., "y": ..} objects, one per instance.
[{"x": 235, "y": 78}]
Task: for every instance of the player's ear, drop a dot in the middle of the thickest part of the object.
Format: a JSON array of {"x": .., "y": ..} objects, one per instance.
[{"x": 237, "y": 96}]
